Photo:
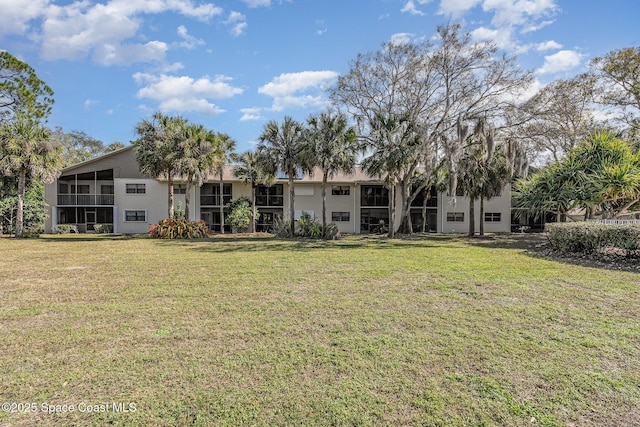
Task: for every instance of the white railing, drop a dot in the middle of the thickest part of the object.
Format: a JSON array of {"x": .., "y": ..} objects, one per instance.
[{"x": 615, "y": 221}]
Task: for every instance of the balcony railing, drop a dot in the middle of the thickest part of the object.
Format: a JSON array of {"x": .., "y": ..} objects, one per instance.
[
  {"x": 213, "y": 200},
  {"x": 270, "y": 200},
  {"x": 85, "y": 199}
]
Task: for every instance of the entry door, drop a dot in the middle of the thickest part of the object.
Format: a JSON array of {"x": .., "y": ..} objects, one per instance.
[{"x": 90, "y": 219}]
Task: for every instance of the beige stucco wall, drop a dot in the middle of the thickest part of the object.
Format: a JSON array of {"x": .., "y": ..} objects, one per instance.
[{"x": 501, "y": 204}]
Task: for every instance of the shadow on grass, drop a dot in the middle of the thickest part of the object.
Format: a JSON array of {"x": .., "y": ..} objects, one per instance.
[
  {"x": 70, "y": 238},
  {"x": 537, "y": 245},
  {"x": 271, "y": 243}
]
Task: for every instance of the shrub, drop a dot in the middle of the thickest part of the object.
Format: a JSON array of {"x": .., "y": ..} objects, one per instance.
[
  {"x": 281, "y": 228},
  {"x": 103, "y": 228},
  {"x": 240, "y": 213},
  {"x": 304, "y": 225},
  {"x": 178, "y": 229},
  {"x": 65, "y": 228},
  {"x": 332, "y": 232},
  {"x": 590, "y": 237}
]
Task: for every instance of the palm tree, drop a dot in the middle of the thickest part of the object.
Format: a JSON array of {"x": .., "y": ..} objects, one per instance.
[
  {"x": 250, "y": 170},
  {"x": 282, "y": 146},
  {"x": 391, "y": 140},
  {"x": 200, "y": 155},
  {"x": 227, "y": 145},
  {"x": 157, "y": 149},
  {"x": 26, "y": 151},
  {"x": 331, "y": 145},
  {"x": 482, "y": 172}
]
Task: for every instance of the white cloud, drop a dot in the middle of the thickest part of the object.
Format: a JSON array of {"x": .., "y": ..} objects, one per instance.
[
  {"x": 457, "y": 8},
  {"x": 238, "y": 22},
  {"x": 290, "y": 83},
  {"x": 189, "y": 42},
  {"x": 88, "y": 103},
  {"x": 183, "y": 93},
  {"x": 401, "y": 38},
  {"x": 103, "y": 30},
  {"x": 16, "y": 15},
  {"x": 257, "y": 3},
  {"x": 518, "y": 12},
  {"x": 251, "y": 114},
  {"x": 410, "y": 7},
  {"x": 502, "y": 37},
  {"x": 548, "y": 45},
  {"x": 292, "y": 89},
  {"x": 560, "y": 61}
]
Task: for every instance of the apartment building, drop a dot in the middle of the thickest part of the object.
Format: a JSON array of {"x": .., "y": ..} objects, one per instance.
[{"x": 111, "y": 190}]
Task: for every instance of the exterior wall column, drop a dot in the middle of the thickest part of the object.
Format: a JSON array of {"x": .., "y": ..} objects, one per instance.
[
  {"x": 54, "y": 218},
  {"x": 115, "y": 219}
]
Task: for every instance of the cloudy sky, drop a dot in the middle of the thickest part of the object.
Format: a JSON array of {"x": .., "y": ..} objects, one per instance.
[{"x": 233, "y": 65}]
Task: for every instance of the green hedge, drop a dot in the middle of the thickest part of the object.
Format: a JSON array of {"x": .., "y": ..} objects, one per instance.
[{"x": 590, "y": 237}]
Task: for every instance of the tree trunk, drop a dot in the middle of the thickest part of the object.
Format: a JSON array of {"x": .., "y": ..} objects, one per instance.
[
  {"x": 253, "y": 206},
  {"x": 22, "y": 183},
  {"x": 292, "y": 210},
  {"x": 324, "y": 203},
  {"x": 170, "y": 196},
  {"x": 425, "y": 200},
  {"x": 187, "y": 198},
  {"x": 405, "y": 224},
  {"x": 482, "y": 215},
  {"x": 392, "y": 210},
  {"x": 221, "y": 203},
  {"x": 472, "y": 217}
]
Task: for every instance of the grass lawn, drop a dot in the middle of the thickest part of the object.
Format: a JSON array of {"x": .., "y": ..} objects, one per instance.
[{"x": 436, "y": 331}]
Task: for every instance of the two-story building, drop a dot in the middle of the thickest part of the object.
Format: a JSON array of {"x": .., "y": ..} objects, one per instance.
[{"x": 111, "y": 190}]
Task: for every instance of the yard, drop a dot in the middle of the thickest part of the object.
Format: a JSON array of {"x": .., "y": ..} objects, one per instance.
[{"x": 434, "y": 331}]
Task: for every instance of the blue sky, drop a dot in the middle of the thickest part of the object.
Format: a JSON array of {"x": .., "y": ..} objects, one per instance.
[{"x": 234, "y": 65}]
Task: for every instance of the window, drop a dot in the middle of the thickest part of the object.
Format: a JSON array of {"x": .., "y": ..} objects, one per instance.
[
  {"x": 270, "y": 196},
  {"x": 492, "y": 216},
  {"x": 455, "y": 216},
  {"x": 81, "y": 189},
  {"x": 106, "y": 189},
  {"x": 210, "y": 194},
  {"x": 63, "y": 188},
  {"x": 136, "y": 188},
  {"x": 340, "y": 190},
  {"x": 340, "y": 216},
  {"x": 374, "y": 195},
  {"x": 135, "y": 216},
  {"x": 180, "y": 189}
]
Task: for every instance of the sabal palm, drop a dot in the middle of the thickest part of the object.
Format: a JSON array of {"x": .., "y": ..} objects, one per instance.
[
  {"x": 227, "y": 145},
  {"x": 25, "y": 150},
  {"x": 389, "y": 146},
  {"x": 331, "y": 145},
  {"x": 250, "y": 170},
  {"x": 157, "y": 150},
  {"x": 200, "y": 155},
  {"x": 282, "y": 148}
]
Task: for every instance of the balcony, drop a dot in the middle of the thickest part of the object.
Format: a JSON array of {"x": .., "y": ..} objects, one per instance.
[
  {"x": 269, "y": 200},
  {"x": 85, "y": 199}
]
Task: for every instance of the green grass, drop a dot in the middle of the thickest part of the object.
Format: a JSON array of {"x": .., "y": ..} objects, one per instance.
[{"x": 437, "y": 331}]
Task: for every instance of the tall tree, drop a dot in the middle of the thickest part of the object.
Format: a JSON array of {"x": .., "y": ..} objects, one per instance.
[
  {"x": 483, "y": 171},
  {"x": 200, "y": 154},
  {"x": 558, "y": 116},
  {"x": 21, "y": 91},
  {"x": 157, "y": 149},
  {"x": 27, "y": 152},
  {"x": 78, "y": 146},
  {"x": 250, "y": 169},
  {"x": 434, "y": 86},
  {"x": 331, "y": 145},
  {"x": 619, "y": 73},
  {"x": 282, "y": 147},
  {"x": 227, "y": 145}
]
